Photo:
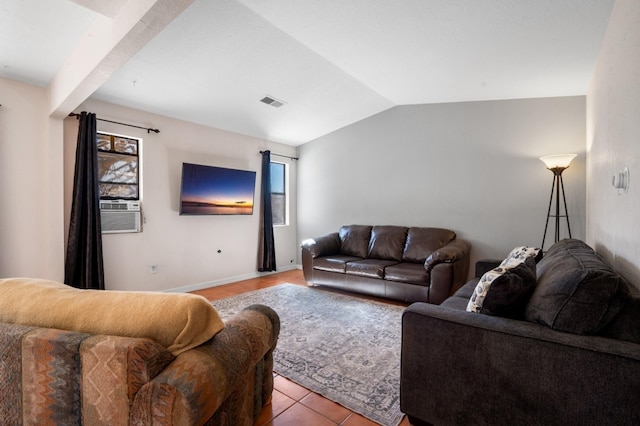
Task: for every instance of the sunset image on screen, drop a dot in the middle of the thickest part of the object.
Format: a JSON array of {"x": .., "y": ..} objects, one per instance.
[{"x": 216, "y": 190}]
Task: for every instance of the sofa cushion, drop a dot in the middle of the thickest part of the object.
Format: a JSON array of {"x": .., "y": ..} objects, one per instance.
[
  {"x": 467, "y": 290},
  {"x": 354, "y": 240},
  {"x": 577, "y": 290},
  {"x": 455, "y": 302},
  {"x": 387, "y": 242},
  {"x": 567, "y": 244},
  {"x": 373, "y": 268},
  {"x": 505, "y": 290},
  {"x": 460, "y": 299},
  {"x": 334, "y": 263},
  {"x": 413, "y": 273},
  {"x": 421, "y": 242},
  {"x": 178, "y": 321}
]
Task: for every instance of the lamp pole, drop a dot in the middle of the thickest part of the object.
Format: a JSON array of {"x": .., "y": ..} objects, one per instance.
[{"x": 557, "y": 164}]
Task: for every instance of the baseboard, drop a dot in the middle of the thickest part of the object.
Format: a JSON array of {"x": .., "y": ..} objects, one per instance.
[{"x": 201, "y": 286}]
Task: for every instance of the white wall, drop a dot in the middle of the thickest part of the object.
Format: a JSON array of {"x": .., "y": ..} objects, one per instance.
[
  {"x": 27, "y": 244},
  {"x": 183, "y": 247},
  {"x": 37, "y": 155},
  {"x": 613, "y": 142},
  {"x": 472, "y": 167}
]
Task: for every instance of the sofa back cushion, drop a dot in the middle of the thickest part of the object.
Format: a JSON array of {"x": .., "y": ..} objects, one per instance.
[
  {"x": 354, "y": 240},
  {"x": 421, "y": 242},
  {"x": 387, "y": 242},
  {"x": 577, "y": 290}
]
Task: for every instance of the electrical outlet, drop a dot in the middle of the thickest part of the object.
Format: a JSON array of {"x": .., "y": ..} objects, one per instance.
[{"x": 153, "y": 268}]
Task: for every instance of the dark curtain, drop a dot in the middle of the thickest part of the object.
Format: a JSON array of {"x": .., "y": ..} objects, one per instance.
[
  {"x": 267, "y": 249},
  {"x": 83, "y": 264}
]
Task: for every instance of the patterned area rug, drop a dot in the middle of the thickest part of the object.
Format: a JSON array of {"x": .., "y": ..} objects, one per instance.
[{"x": 344, "y": 348}]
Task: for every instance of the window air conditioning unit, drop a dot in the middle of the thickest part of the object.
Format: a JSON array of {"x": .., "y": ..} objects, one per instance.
[{"x": 120, "y": 216}]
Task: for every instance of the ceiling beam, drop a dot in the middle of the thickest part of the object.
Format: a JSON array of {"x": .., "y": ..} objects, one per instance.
[
  {"x": 105, "y": 47},
  {"x": 107, "y": 8}
]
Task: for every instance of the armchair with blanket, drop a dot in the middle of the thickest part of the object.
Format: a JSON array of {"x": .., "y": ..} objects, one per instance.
[{"x": 72, "y": 357}]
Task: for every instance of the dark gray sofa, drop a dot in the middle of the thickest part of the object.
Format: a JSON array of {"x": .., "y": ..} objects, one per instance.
[
  {"x": 571, "y": 356},
  {"x": 409, "y": 264}
]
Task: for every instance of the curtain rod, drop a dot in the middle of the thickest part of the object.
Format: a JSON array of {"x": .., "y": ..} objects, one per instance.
[
  {"x": 148, "y": 129},
  {"x": 280, "y": 155}
]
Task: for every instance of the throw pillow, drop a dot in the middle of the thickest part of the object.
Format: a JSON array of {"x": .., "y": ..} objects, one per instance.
[
  {"x": 519, "y": 254},
  {"x": 508, "y": 286},
  {"x": 504, "y": 291},
  {"x": 509, "y": 294}
]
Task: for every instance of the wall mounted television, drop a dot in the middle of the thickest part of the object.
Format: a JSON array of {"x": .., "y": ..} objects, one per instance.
[{"x": 210, "y": 190}]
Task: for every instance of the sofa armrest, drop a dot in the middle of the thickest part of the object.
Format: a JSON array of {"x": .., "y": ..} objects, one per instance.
[
  {"x": 454, "y": 251},
  {"x": 485, "y": 265},
  {"x": 464, "y": 368},
  {"x": 322, "y": 246},
  {"x": 448, "y": 269},
  {"x": 230, "y": 376},
  {"x": 315, "y": 247}
]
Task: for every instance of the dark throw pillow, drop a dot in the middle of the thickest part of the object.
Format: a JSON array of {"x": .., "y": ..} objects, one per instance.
[
  {"x": 510, "y": 293},
  {"x": 505, "y": 290}
]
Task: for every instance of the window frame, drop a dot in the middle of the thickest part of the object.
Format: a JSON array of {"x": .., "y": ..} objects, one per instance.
[
  {"x": 285, "y": 194},
  {"x": 111, "y": 151}
]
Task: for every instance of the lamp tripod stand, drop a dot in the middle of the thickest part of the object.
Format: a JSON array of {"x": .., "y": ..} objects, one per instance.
[{"x": 557, "y": 164}]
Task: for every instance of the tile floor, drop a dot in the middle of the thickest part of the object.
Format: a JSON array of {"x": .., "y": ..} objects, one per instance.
[{"x": 292, "y": 404}]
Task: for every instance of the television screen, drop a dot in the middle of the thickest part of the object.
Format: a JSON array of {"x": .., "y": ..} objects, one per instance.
[{"x": 216, "y": 190}]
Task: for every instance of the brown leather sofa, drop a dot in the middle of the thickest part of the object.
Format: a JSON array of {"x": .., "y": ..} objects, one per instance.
[{"x": 409, "y": 264}]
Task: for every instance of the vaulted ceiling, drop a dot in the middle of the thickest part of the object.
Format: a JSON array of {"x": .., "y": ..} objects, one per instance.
[{"x": 331, "y": 62}]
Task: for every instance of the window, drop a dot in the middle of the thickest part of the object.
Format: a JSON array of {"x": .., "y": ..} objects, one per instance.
[
  {"x": 118, "y": 167},
  {"x": 279, "y": 193}
]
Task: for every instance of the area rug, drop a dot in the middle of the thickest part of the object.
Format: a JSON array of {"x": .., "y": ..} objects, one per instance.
[{"x": 344, "y": 348}]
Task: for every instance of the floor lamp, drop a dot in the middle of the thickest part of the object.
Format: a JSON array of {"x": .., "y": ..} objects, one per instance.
[{"x": 557, "y": 164}]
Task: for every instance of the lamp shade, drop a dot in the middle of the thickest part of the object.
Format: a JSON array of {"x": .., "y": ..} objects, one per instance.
[{"x": 558, "y": 161}]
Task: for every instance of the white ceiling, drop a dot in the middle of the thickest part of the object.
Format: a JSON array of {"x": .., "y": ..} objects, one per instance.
[{"x": 333, "y": 62}]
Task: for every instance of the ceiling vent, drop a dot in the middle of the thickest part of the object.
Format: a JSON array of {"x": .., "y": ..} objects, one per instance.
[{"x": 270, "y": 100}]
